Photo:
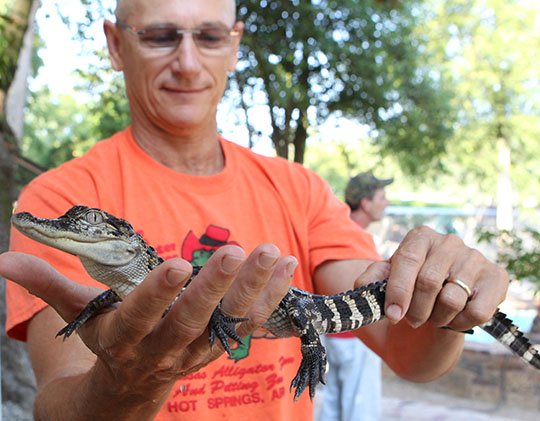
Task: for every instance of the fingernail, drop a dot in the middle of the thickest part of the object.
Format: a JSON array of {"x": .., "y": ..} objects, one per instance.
[
  {"x": 230, "y": 264},
  {"x": 267, "y": 260},
  {"x": 393, "y": 312},
  {"x": 175, "y": 277},
  {"x": 291, "y": 267}
]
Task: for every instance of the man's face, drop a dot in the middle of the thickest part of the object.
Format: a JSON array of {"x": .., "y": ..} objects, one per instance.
[
  {"x": 375, "y": 207},
  {"x": 179, "y": 89}
]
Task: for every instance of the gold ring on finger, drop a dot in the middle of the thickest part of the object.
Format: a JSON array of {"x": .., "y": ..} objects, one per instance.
[{"x": 462, "y": 285}]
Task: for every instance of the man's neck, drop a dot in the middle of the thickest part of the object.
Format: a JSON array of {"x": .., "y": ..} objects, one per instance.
[
  {"x": 361, "y": 218},
  {"x": 197, "y": 153}
]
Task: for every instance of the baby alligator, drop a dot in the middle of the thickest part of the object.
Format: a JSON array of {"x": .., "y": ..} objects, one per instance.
[{"x": 114, "y": 254}]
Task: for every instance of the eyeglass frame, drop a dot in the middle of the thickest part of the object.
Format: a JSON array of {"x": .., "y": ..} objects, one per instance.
[{"x": 179, "y": 31}]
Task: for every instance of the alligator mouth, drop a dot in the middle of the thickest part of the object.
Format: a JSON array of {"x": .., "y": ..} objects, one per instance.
[
  {"x": 50, "y": 230},
  {"x": 106, "y": 251},
  {"x": 66, "y": 235}
]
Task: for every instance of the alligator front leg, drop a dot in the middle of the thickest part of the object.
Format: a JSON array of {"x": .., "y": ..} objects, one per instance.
[
  {"x": 313, "y": 365},
  {"x": 223, "y": 327},
  {"x": 103, "y": 300}
]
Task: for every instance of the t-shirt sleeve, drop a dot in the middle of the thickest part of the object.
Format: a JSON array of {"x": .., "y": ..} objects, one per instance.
[
  {"x": 46, "y": 202},
  {"x": 332, "y": 233}
]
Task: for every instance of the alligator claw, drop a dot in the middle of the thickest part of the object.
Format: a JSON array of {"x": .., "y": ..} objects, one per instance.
[
  {"x": 103, "y": 300},
  {"x": 223, "y": 327},
  {"x": 311, "y": 371},
  {"x": 68, "y": 329}
]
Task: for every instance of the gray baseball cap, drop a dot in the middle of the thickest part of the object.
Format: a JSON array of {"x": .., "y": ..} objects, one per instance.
[{"x": 363, "y": 185}]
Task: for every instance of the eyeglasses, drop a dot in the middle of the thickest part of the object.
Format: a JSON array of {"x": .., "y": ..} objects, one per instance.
[{"x": 165, "y": 38}]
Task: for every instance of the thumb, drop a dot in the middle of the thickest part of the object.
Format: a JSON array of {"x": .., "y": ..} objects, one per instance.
[{"x": 42, "y": 280}]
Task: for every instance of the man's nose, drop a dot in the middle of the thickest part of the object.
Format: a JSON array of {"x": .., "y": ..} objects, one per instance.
[{"x": 188, "y": 56}]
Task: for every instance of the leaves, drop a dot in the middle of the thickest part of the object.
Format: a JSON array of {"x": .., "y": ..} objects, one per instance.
[
  {"x": 489, "y": 48},
  {"x": 434, "y": 82},
  {"x": 361, "y": 59},
  {"x": 13, "y": 23},
  {"x": 518, "y": 251}
]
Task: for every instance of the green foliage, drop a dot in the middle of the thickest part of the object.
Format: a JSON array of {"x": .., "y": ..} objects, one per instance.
[
  {"x": 488, "y": 50},
  {"x": 56, "y": 129},
  {"x": 13, "y": 24},
  {"x": 328, "y": 160},
  {"x": 337, "y": 160},
  {"x": 388, "y": 65},
  {"x": 518, "y": 251},
  {"x": 109, "y": 102},
  {"x": 361, "y": 59},
  {"x": 60, "y": 128}
]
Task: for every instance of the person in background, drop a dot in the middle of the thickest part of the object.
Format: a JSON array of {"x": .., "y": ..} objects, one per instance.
[
  {"x": 366, "y": 196},
  {"x": 353, "y": 382}
]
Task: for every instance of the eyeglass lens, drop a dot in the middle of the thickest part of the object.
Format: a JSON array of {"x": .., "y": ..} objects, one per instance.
[{"x": 210, "y": 38}]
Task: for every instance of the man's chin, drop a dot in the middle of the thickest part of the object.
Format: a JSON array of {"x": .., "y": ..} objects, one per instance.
[{"x": 185, "y": 116}]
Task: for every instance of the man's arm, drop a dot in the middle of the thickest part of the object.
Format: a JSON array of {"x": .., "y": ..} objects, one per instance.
[
  {"x": 419, "y": 301},
  {"x": 126, "y": 361}
]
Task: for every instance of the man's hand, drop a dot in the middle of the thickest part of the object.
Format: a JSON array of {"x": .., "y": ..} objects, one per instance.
[
  {"x": 421, "y": 288},
  {"x": 420, "y": 299},
  {"x": 140, "y": 354}
]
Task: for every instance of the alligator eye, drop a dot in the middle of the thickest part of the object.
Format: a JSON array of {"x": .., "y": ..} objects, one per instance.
[{"x": 94, "y": 217}]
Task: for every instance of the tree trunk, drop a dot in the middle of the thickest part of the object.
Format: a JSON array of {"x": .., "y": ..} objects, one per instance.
[
  {"x": 505, "y": 217},
  {"x": 534, "y": 334},
  {"x": 300, "y": 137},
  {"x": 18, "y": 385}
]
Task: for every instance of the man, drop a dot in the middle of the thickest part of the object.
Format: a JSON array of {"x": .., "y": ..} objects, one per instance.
[
  {"x": 353, "y": 381},
  {"x": 366, "y": 197},
  {"x": 173, "y": 177}
]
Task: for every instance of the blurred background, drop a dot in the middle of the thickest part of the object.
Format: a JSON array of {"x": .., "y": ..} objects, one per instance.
[{"x": 444, "y": 96}]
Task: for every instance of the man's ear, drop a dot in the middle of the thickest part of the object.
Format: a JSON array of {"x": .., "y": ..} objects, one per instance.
[
  {"x": 238, "y": 27},
  {"x": 113, "y": 43},
  {"x": 364, "y": 203}
]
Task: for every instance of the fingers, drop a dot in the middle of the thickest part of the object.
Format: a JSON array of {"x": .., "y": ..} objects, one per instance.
[
  {"x": 489, "y": 291},
  {"x": 254, "y": 290},
  {"x": 269, "y": 298},
  {"x": 189, "y": 316},
  {"x": 405, "y": 267},
  {"x": 453, "y": 298},
  {"x": 251, "y": 280},
  {"x": 446, "y": 258},
  {"x": 418, "y": 288},
  {"x": 143, "y": 308},
  {"x": 45, "y": 282}
]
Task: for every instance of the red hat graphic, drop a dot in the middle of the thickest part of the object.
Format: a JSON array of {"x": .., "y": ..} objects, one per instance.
[{"x": 212, "y": 239}]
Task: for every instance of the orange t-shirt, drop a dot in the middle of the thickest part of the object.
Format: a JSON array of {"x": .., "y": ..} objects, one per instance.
[{"x": 255, "y": 199}]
